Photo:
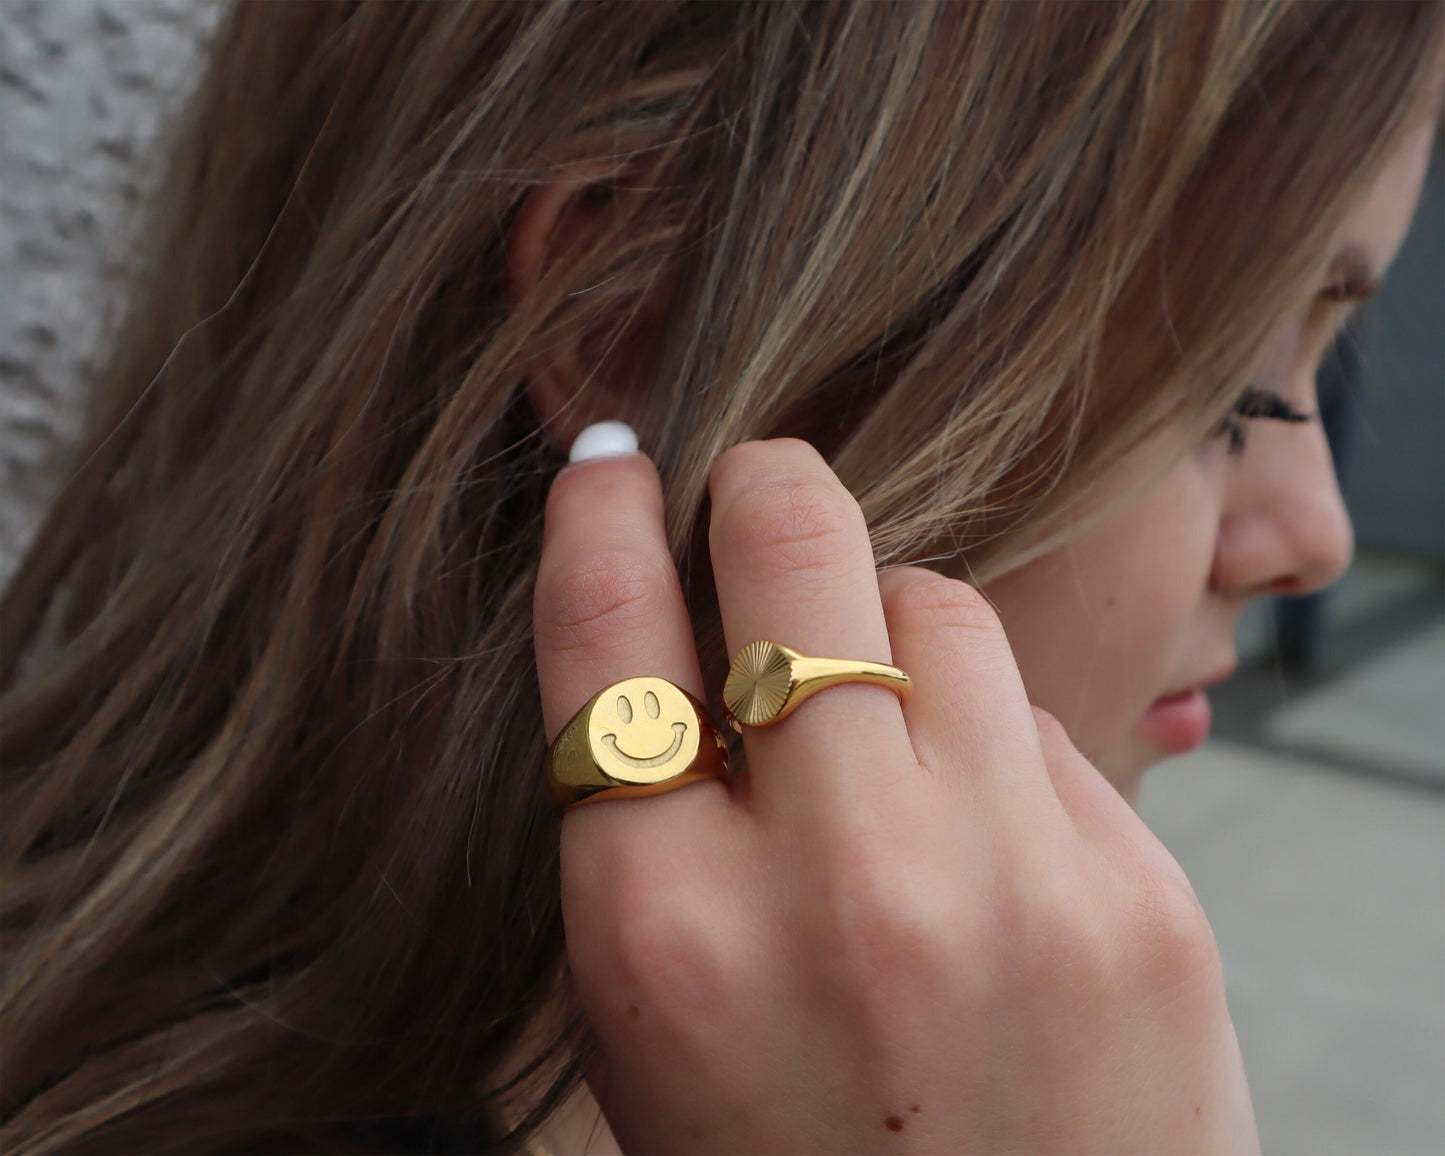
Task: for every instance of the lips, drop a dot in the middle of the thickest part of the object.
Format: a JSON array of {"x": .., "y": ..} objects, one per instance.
[{"x": 1180, "y": 721}]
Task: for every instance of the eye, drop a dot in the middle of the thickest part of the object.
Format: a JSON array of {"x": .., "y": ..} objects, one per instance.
[
  {"x": 1257, "y": 403},
  {"x": 624, "y": 709},
  {"x": 1350, "y": 286}
]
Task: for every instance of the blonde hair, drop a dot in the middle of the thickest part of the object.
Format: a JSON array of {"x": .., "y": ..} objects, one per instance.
[{"x": 276, "y": 852}]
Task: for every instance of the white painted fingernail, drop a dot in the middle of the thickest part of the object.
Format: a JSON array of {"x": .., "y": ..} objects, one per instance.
[{"x": 606, "y": 439}]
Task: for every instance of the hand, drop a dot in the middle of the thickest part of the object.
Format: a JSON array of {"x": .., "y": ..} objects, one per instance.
[{"x": 936, "y": 929}]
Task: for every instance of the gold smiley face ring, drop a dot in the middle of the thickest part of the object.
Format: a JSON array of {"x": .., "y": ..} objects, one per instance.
[{"x": 640, "y": 736}]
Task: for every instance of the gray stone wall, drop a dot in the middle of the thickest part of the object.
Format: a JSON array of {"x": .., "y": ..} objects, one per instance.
[{"x": 84, "y": 84}]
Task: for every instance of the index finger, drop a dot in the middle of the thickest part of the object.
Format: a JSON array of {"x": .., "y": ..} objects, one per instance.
[{"x": 608, "y": 604}]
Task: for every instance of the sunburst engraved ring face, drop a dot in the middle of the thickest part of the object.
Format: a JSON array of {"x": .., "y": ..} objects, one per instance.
[
  {"x": 643, "y": 730},
  {"x": 758, "y": 683}
]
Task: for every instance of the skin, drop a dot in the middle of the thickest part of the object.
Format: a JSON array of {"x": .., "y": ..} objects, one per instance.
[
  {"x": 1092, "y": 1013},
  {"x": 1144, "y": 603}
]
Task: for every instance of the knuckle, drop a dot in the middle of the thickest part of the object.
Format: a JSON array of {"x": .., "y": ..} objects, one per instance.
[
  {"x": 790, "y": 525},
  {"x": 1169, "y": 933},
  {"x": 602, "y": 601},
  {"x": 1053, "y": 738},
  {"x": 928, "y": 603},
  {"x": 670, "y": 958},
  {"x": 1068, "y": 938},
  {"x": 654, "y": 946},
  {"x": 1137, "y": 936},
  {"x": 886, "y": 935},
  {"x": 1059, "y": 934},
  {"x": 740, "y": 466}
]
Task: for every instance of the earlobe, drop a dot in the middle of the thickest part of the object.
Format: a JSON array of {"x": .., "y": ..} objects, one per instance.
[{"x": 553, "y": 218}]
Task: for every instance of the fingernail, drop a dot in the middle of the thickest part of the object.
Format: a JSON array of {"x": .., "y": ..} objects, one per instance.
[{"x": 606, "y": 439}]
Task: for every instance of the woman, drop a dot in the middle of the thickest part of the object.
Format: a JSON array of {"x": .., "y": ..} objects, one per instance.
[{"x": 1020, "y": 282}]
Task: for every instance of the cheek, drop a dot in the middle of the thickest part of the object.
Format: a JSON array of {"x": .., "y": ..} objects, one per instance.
[{"x": 1105, "y": 625}]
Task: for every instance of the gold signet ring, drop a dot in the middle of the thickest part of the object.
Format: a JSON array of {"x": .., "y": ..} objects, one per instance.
[
  {"x": 768, "y": 682},
  {"x": 640, "y": 736}
]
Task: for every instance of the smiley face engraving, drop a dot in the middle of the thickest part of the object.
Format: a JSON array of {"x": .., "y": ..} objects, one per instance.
[
  {"x": 654, "y": 710},
  {"x": 643, "y": 730},
  {"x": 679, "y": 729}
]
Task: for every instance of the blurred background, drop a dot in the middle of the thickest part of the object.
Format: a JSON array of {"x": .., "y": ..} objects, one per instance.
[{"x": 1312, "y": 825}]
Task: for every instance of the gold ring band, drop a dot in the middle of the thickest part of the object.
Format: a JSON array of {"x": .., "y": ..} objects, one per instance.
[
  {"x": 769, "y": 681},
  {"x": 640, "y": 736}
]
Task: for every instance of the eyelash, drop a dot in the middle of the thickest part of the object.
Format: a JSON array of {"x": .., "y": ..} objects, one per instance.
[{"x": 1256, "y": 403}]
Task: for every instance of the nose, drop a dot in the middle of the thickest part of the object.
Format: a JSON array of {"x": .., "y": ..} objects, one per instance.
[{"x": 1285, "y": 529}]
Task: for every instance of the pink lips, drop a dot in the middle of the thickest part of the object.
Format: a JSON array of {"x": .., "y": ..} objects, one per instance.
[{"x": 1178, "y": 722}]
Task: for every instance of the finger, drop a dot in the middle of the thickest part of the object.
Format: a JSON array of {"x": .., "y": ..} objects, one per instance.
[
  {"x": 969, "y": 717},
  {"x": 1096, "y": 807},
  {"x": 794, "y": 565},
  {"x": 607, "y": 604}
]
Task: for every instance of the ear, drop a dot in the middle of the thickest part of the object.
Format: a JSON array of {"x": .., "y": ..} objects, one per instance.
[{"x": 554, "y": 217}]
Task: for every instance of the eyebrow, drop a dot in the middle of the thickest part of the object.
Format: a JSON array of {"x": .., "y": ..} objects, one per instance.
[{"x": 1350, "y": 277}]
